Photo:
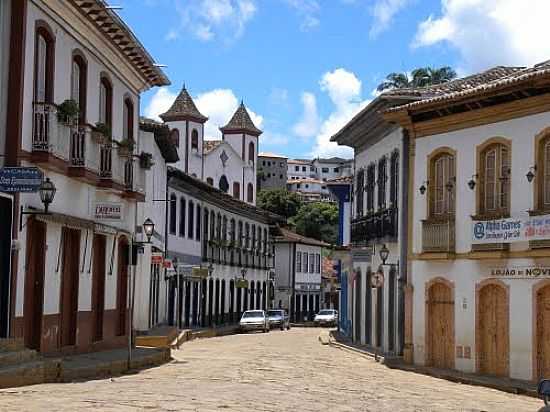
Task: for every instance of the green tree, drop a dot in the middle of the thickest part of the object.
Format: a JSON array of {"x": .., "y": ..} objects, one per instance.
[
  {"x": 421, "y": 77},
  {"x": 279, "y": 201},
  {"x": 318, "y": 220}
]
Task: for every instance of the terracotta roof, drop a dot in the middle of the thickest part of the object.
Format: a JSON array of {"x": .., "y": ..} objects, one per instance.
[
  {"x": 209, "y": 145},
  {"x": 510, "y": 77},
  {"x": 241, "y": 122},
  {"x": 161, "y": 133},
  {"x": 305, "y": 180},
  {"x": 340, "y": 180},
  {"x": 118, "y": 33},
  {"x": 183, "y": 108},
  {"x": 331, "y": 160},
  {"x": 299, "y": 161},
  {"x": 271, "y": 155},
  {"x": 287, "y": 235}
]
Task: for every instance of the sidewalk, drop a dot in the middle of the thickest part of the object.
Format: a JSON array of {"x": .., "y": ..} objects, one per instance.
[
  {"x": 169, "y": 337},
  {"x": 509, "y": 385}
]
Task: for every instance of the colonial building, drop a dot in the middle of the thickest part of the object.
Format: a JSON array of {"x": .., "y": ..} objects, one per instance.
[
  {"x": 298, "y": 274},
  {"x": 228, "y": 164},
  {"x": 221, "y": 253},
  {"x": 479, "y": 290},
  {"x": 76, "y": 75},
  {"x": 309, "y": 190},
  {"x": 271, "y": 171}
]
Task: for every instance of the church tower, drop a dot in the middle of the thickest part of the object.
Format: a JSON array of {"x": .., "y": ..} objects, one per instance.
[
  {"x": 186, "y": 125},
  {"x": 243, "y": 135}
]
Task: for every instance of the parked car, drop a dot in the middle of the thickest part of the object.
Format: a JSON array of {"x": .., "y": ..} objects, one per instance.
[
  {"x": 254, "y": 320},
  {"x": 326, "y": 317},
  {"x": 278, "y": 318}
]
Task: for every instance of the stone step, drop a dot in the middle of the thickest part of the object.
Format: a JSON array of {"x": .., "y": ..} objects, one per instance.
[
  {"x": 29, "y": 373},
  {"x": 17, "y": 357},
  {"x": 11, "y": 344}
]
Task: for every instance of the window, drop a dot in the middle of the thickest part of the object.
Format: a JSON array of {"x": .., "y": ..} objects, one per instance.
[
  {"x": 236, "y": 190},
  {"x": 281, "y": 164},
  {"x": 240, "y": 238},
  {"x": 251, "y": 152},
  {"x": 318, "y": 263},
  {"x": 105, "y": 101},
  {"x": 298, "y": 261},
  {"x": 191, "y": 221},
  {"x": 370, "y": 187},
  {"x": 305, "y": 266},
  {"x": 336, "y": 170},
  {"x": 210, "y": 181},
  {"x": 79, "y": 85},
  {"x": 246, "y": 235},
  {"x": 128, "y": 126},
  {"x": 543, "y": 174},
  {"x": 269, "y": 175},
  {"x": 263, "y": 162},
  {"x": 394, "y": 179},
  {"x": 281, "y": 177},
  {"x": 175, "y": 137},
  {"x": 442, "y": 191},
  {"x": 307, "y": 186},
  {"x": 297, "y": 168},
  {"x": 250, "y": 193},
  {"x": 223, "y": 184},
  {"x": 359, "y": 192},
  {"x": 44, "y": 65},
  {"x": 311, "y": 169},
  {"x": 312, "y": 263},
  {"x": 183, "y": 209},
  {"x": 324, "y": 170},
  {"x": 195, "y": 140},
  {"x": 382, "y": 177},
  {"x": 198, "y": 227},
  {"x": 269, "y": 163},
  {"x": 298, "y": 185},
  {"x": 495, "y": 178},
  {"x": 173, "y": 211},
  {"x": 303, "y": 169}
]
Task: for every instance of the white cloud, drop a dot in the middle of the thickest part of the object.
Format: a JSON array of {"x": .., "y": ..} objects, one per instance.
[
  {"x": 272, "y": 139},
  {"x": 211, "y": 19},
  {"x": 383, "y": 12},
  {"x": 490, "y": 32},
  {"x": 160, "y": 103},
  {"x": 278, "y": 96},
  {"x": 309, "y": 124},
  {"x": 344, "y": 90},
  {"x": 219, "y": 105},
  {"x": 308, "y": 10}
]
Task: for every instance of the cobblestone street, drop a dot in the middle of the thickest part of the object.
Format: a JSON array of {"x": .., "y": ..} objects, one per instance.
[{"x": 279, "y": 371}]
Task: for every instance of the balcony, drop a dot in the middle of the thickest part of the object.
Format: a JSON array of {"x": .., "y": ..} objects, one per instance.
[
  {"x": 380, "y": 225},
  {"x": 50, "y": 138},
  {"x": 438, "y": 236}
]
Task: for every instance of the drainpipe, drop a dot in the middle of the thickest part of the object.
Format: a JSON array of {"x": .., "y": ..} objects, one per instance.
[{"x": 403, "y": 240}]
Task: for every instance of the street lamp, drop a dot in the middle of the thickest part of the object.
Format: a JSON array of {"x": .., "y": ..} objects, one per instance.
[
  {"x": 384, "y": 253},
  {"x": 210, "y": 269},
  {"x": 148, "y": 229},
  {"x": 47, "y": 193}
]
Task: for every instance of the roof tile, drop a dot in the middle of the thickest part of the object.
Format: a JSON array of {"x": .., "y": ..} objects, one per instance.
[
  {"x": 183, "y": 108},
  {"x": 241, "y": 122}
]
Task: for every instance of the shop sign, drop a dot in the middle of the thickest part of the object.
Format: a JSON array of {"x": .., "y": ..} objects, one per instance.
[
  {"x": 363, "y": 255},
  {"x": 167, "y": 264},
  {"x": 156, "y": 258},
  {"x": 20, "y": 179},
  {"x": 198, "y": 272},
  {"x": 107, "y": 210},
  {"x": 520, "y": 272},
  {"x": 241, "y": 283},
  {"x": 508, "y": 230}
]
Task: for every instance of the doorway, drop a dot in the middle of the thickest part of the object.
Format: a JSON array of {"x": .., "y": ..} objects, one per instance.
[
  {"x": 34, "y": 283},
  {"x": 6, "y": 214},
  {"x": 122, "y": 286},
  {"x": 440, "y": 342},
  {"x": 543, "y": 332},
  {"x": 98, "y": 286},
  {"x": 69, "y": 285}
]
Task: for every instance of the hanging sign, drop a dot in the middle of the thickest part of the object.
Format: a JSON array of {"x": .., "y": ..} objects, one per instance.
[
  {"x": 167, "y": 264},
  {"x": 156, "y": 258},
  {"x": 520, "y": 272},
  {"x": 241, "y": 283},
  {"x": 108, "y": 210},
  {"x": 508, "y": 230},
  {"x": 20, "y": 179}
]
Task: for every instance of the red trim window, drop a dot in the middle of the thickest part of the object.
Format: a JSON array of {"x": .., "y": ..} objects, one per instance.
[
  {"x": 250, "y": 193},
  {"x": 44, "y": 62},
  {"x": 128, "y": 126},
  {"x": 79, "y": 70},
  {"x": 105, "y": 101},
  {"x": 175, "y": 137}
]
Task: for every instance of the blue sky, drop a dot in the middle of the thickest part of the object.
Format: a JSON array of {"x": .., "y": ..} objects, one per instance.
[{"x": 305, "y": 67}]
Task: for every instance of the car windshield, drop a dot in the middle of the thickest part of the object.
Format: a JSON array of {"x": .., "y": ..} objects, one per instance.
[
  {"x": 326, "y": 312},
  {"x": 274, "y": 313},
  {"x": 253, "y": 314}
]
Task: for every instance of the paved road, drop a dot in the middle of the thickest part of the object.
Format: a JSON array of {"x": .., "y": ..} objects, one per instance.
[{"x": 279, "y": 371}]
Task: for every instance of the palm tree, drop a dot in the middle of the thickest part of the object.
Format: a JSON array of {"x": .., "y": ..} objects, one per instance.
[{"x": 421, "y": 77}]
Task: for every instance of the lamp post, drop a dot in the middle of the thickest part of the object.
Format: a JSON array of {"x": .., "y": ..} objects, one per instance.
[{"x": 46, "y": 192}]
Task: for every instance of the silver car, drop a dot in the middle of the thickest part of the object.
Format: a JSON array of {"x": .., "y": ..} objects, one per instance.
[
  {"x": 326, "y": 317},
  {"x": 278, "y": 318},
  {"x": 254, "y": 320}
]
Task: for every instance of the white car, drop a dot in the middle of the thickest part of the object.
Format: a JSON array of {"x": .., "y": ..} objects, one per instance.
[
  {"x": 254, "y": 320},
  {"x": 326, "y": 317}
]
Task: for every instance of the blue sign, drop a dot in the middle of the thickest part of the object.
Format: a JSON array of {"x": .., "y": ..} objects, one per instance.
[{"x": 20, "y": 179}]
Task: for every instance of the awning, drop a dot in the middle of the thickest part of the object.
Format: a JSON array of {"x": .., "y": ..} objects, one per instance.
[{"x": 80, "y": 223}]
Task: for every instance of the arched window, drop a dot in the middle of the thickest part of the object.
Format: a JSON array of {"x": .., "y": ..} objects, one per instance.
[
  {"x": 250, "y": 193},
  {"x": 495, "y": 179},
  {"x": 44, "y": 63},
  {"x": 194, "y": 140},
  {"x": 236, "y": 190},
  {"x": 105, "y": 101},
  {"x": 183, "y": 208},
  {"x": 394, "y": 179},
  {"x": 223, "y": 184},
  {"x": 191, "y": 220},
  {"x": 173, "y": 211},
  {"x": 128, "y": 126},
  {"x": 251, "y": 152},
  {"x": 210, "y": 181},
  {"x": 442, "y": 187},
  {"x": 371, "y": 183},
  {"x": 543, "y": 174},
  {"x": 198, "y": 227},
  {"x": 79, "y": 85},
  {"x": 175, "y": 137},
  {"x": 382, "y": 177},
  {"x": 360, "y": 188}
]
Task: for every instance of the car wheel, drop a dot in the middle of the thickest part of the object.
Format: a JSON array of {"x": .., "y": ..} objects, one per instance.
[{"x": 282, "y": 328}]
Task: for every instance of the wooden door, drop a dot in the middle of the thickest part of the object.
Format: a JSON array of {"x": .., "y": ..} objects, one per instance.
[
  {"x": 6, "y": 213},
  {"x": 493, "y": 331},
  {"x": 98, "y": 286},
  {"x": 34, "y": 283},
  {"x": 543, "y": 332},
  {"x": 440, "y": 327},
  {"x": 69, "y": 285},
  {"x": 122, "y": 286}
]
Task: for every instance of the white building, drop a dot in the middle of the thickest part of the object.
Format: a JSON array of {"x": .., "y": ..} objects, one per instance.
[
  {"x": 310, "y": 190},
  {"x": 72, "y": 269},
  {"x": 228, "y": 164},
  {"x": 298, "y": 274},
  {"x": 480, "y": 160}
]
